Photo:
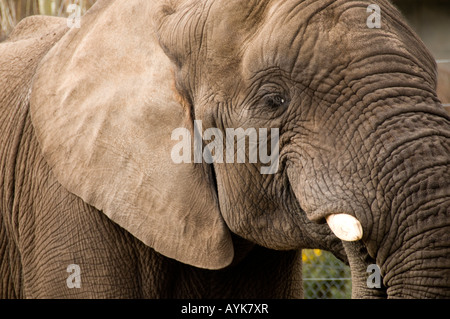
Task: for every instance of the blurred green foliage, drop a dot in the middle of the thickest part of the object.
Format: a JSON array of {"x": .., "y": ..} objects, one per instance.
[{"x": 324, "y": 276}]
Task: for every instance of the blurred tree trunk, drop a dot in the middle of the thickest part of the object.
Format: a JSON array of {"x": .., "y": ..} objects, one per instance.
[{"x": 47, "y": 7}]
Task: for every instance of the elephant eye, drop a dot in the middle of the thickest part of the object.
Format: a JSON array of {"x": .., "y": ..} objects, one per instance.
[{"x": 275, "y": 100}]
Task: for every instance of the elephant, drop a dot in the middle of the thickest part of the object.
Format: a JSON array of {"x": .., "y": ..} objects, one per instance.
[{"x": 99, "y": 201}]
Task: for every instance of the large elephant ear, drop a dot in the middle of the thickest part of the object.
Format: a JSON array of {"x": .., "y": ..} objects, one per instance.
[{"x": 104, "y": 105}]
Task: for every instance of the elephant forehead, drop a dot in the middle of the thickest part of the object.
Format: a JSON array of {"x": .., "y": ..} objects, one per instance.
[{"x": 301, "y": 34}]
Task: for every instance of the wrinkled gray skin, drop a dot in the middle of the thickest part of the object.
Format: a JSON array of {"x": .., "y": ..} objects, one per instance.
[{"x": 361, "y": 132}]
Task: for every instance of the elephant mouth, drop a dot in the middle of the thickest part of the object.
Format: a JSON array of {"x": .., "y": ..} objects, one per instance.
[{"x": 340, "y": 215}]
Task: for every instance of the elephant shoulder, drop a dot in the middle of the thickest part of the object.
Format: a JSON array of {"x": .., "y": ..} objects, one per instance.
[
  {"x": 21, "y": 53},
  {"x": 30, "y": 40},
  {"x": 36, "y": 27}
]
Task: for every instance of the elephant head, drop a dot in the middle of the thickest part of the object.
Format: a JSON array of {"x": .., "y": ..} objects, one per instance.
[{"x": 362, "y": 139}]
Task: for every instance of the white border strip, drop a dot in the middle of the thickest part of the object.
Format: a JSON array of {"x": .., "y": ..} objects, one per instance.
[{"x": 443, "y": 61}]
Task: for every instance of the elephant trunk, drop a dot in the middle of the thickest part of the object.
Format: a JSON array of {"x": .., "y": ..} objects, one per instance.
[
  {"x": 393, "y": 182},
  {"x": 410, "y": 232},
  {"x": 420, "y": 268}
]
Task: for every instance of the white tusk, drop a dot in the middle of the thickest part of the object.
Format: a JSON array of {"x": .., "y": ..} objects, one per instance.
[{"x": 345, "y": 227}]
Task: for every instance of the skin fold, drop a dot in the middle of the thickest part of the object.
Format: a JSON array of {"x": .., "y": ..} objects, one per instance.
[{"x": 86, "y": 176}]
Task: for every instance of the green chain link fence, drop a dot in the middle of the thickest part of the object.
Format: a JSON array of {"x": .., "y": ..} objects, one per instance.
[{"x": 324, "y": 276}]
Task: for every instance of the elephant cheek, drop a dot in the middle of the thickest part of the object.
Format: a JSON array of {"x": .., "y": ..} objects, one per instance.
[
  {"x": 275, "y": 222},
  {"x": 324, "y": 200}
]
